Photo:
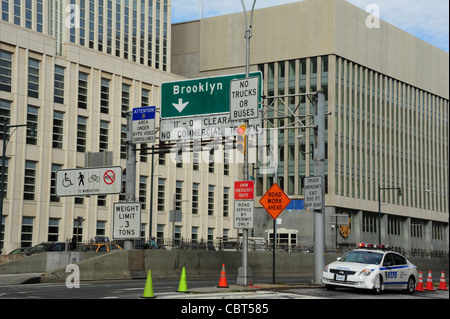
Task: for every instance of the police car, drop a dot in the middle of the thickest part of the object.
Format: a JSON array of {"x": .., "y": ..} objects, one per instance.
[{"x": 371, "y": 267}]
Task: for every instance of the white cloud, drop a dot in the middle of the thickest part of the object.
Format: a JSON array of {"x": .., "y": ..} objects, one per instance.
[{"x": 428, "y": 20}]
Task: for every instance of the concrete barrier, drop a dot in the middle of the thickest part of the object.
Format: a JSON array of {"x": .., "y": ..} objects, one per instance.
[{"x": 128, "y": 264}]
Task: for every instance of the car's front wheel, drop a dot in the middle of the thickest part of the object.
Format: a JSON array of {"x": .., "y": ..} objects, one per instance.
[
  {"x": 377, "y": 284},
  {"x": 411, "y": 287}
]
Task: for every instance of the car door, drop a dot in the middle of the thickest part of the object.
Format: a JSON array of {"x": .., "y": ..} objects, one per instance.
[
  {"x": 403, "y": 270},
  {"x": 390, "y": 271}
]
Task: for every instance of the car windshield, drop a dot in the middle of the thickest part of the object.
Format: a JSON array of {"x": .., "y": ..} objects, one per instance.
[{"x": 363, "y": 257}]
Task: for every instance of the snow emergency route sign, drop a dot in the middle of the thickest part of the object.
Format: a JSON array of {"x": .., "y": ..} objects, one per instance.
[{"x": 275, "y": 201}]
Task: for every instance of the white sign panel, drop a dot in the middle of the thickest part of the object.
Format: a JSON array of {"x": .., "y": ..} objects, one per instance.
[
  {"x": 88, "y": 181},
  {"x": 243, "y": 214},
  {"x": 143, "y": 130},
  {"x": 127, "y": 220},
  {"x": 203, "y": 127},
  {"x": 244, "y": 98},
  {"x": 313, "y": 193}
]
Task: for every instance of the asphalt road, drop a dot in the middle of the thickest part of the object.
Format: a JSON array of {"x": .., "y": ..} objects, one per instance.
[{"x": 164, "y": 288}]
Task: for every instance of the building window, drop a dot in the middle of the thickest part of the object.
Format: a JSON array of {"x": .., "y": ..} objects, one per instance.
[
  {"x": 5, "y": 188},
  {"x": 17, "y": 6},
  {"x": 33, "y": 78},
  {"x": 125, "y": 99},
  {"x": 210, "y": 200},
  {"x": 226, "y": 201},
  {"x": 81, "y": 134},
  {"x": 161, "y": 193},
  {"x": 417, "y": 230},
  {"x": 104, "y": 96},
  {"x": 39, "y": 12},
  {"x": 5, "y": 10},
  {"x": 104, "y": 133},
  {"x": 194, "y": 235},
  {"x": 101, "y": 228},
  {"x": 177, "y": 235},
  {"x": 159, "y": 234},
  {"x": 178, "y": 194},
  {"x": 210, "y": 237},
  {"x": 369, "y": 223},
  {"x": 123, "y": 141},
  {"x": 29, "y": 180},
  {"x": 195, "y": 193},
  {"x": 26, "y": 236},
  {"x": 59, "y": 85},
  {"x": 53, "y": 229},
  {"x": 28, "y": 14},
  {"x": 82, "y": 90},
  {"x": 5, "y": 113},
  {"x": 5, "y": 71},
  {"x": 32, "y": 119},
  {"x": 143, "y": 191},
  {"x": 58, "y": 122},
  {"x": 53, "y": 197},
  {"x": 78, "y": 229}
]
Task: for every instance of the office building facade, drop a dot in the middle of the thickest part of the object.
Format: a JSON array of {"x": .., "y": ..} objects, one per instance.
[
  {"x": 73, "y": 68},
  {"x": 387, "y": 102}
]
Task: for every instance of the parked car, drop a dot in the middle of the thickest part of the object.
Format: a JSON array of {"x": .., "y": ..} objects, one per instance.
[
  {"x": 371, "y": 267},
  {"x": 21, "y": 250},
  {"x": 46, "y": 246},
  {"x": 101, "y": 247}
]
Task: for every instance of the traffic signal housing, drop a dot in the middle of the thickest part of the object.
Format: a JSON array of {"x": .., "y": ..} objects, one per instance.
[{"x": 240, "y": 138}]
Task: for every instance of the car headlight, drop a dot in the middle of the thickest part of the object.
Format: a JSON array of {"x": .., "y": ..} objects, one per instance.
[
  {"x": 366, "y": 272},
  {"x": 325, "y": 269}
]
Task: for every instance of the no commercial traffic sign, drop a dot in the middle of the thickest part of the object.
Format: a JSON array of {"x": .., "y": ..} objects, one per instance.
[{"x": 275, "y": 201}]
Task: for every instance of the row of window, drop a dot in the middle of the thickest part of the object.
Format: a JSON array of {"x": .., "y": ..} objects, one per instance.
[
  {"x": 54, "y": 227},
  {"x": 118, "y": 27}
]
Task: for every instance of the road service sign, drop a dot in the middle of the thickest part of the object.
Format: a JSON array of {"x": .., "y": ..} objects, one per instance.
[
  {"x": 143, "y": 125},
  {"x": 88, "y": 181},
  {"x": 243, "y": 214},
  {"x": 127, "y": 220},
  {"x": 275, "y": 201}
]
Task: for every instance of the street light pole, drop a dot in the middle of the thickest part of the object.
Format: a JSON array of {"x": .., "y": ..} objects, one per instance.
[
  {"x": 244, "y": 272},
  {"x": 5, "y": 144}
]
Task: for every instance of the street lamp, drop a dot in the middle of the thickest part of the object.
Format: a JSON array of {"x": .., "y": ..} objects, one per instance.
[
  {"x": 399, "y": 193},
  {"x": 5, "y": 144}
]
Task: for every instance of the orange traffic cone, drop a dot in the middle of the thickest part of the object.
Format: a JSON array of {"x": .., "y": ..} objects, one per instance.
[
  {"x": 420, "y": 284},
  {"x": 223, "y": 278},
  {"x": 429, "y": 285},
  {"x": 442, "y": 284}
]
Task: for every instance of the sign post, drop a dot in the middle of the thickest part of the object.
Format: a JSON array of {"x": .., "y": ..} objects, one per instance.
[{"x": 274, "y": 201}]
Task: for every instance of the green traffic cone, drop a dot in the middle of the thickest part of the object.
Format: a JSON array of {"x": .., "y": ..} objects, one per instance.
[
  {"x": 148, "y": 290},
  {"x": 183, "y": 285}
]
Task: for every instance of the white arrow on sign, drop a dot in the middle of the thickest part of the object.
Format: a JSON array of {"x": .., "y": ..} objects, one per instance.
[{"x": 180, "y": 106}]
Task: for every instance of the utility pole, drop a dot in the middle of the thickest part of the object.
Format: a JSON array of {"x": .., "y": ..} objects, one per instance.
[
  {"x": 245, "y": 272},
  {"x": 130, "y": 185},
  {"x": 319, "y": 170}
]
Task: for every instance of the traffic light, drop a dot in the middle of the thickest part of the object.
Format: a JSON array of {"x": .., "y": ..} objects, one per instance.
[{"x": 240, "y": 139}]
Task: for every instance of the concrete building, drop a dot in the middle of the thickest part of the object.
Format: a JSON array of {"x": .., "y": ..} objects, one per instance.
[
  {"x": 72, "y": 68},
  {"x": 388, "y": 102}
]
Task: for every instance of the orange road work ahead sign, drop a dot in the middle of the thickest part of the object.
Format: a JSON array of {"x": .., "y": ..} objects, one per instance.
[{"x": 275, "y": 201}]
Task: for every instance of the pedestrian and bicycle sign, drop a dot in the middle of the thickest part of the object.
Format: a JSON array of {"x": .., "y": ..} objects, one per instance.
[{"x": 88, "y": 181}]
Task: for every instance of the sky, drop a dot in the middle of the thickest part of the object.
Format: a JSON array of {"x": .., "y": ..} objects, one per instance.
[{"x": 427, "y": 20}]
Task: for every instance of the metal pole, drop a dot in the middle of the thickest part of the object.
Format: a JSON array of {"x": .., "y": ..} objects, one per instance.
[
  {"x": 5, "y": 128},
  {"x": 131, "y": 171},
  {"x": 379, "y": 215},
  {"x": 319, "y": 170},
  {"x": 150, "y": 232},
  {"x": 244, "y": 272}
]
